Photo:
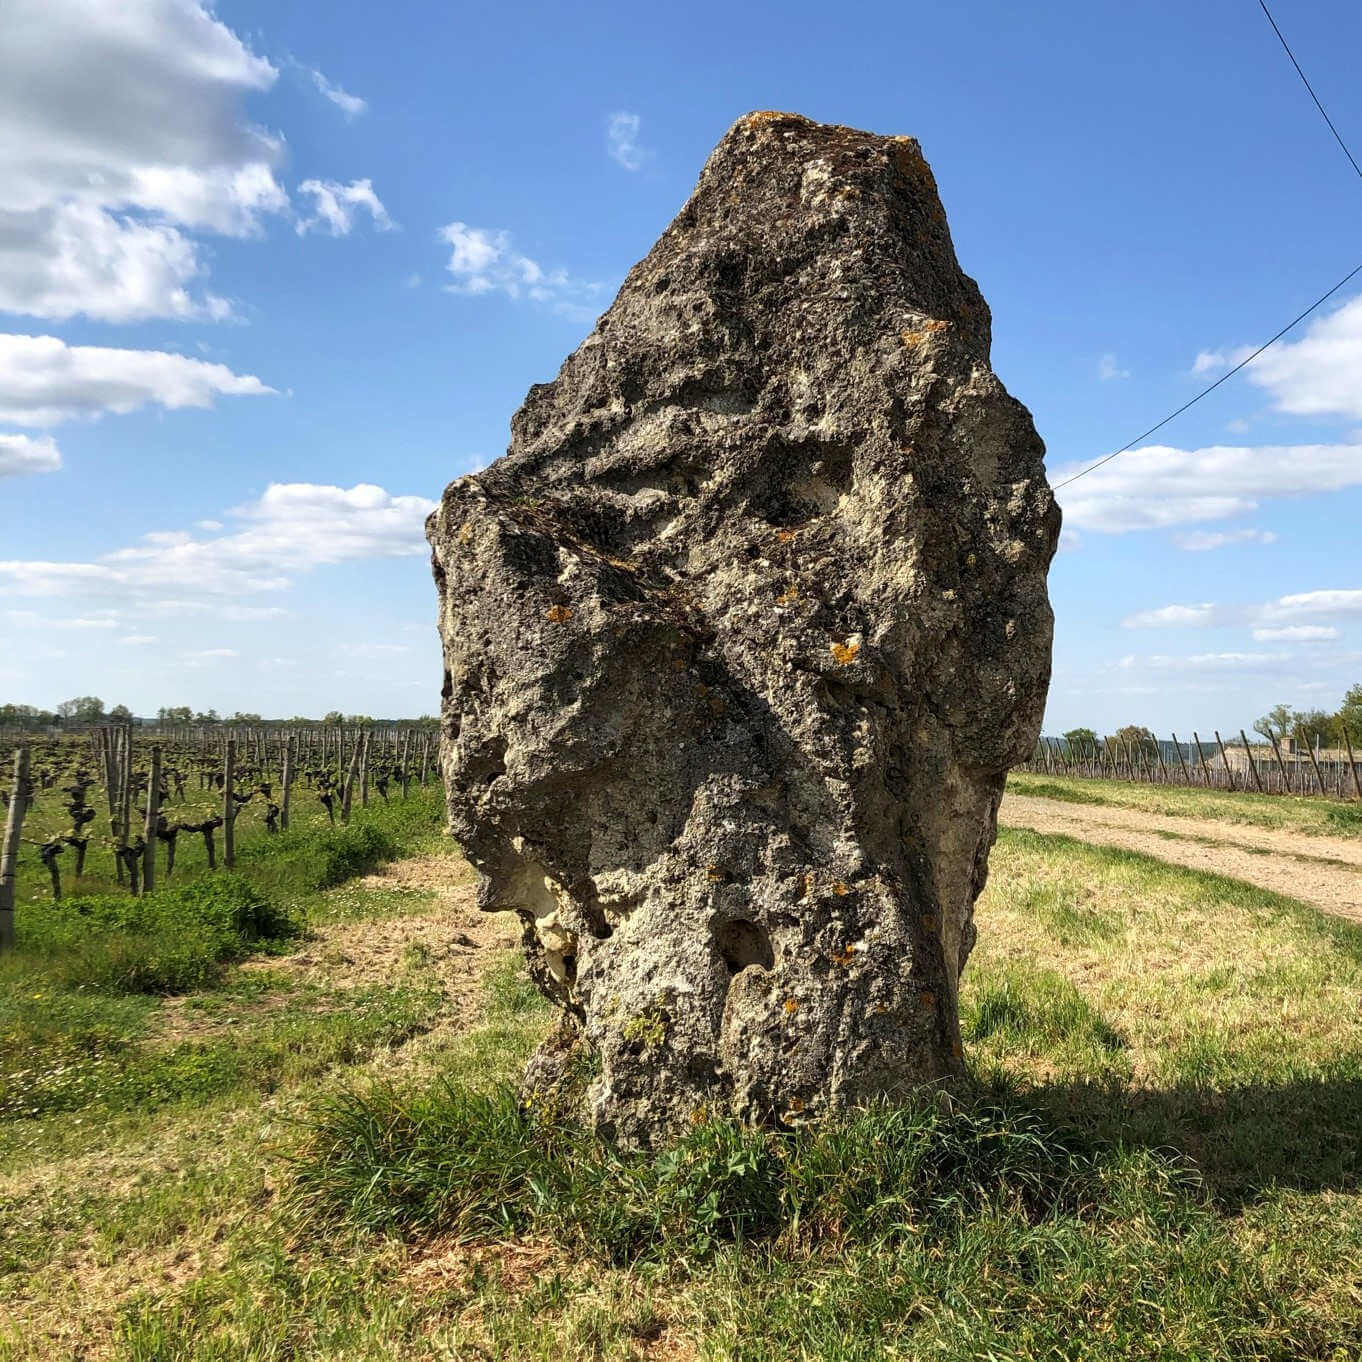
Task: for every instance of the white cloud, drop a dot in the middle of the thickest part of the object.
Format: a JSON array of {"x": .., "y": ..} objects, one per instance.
[
  {"x": 1332, "y": 602},
  {"x": 43, "y": 380},
  {"x": 622, "y": 140},
  {"x": 1158, "y": 486},
  {"x": 24, "y": 454},
  {"x": 334, "y": 206},
  {"x": 1296, "y": 633},
  {"x": 1201, "y": 541},
  {"x": 1176, "y": 615},
  {"x": 1107, "y": 369},
  {"x": 207, "y": 657},
  {"x": 483, "y": 260},
  {"x": 1208, "y": 662},
  {"x": 30, "y": 619},
  {"x": 1269, "y": 619},
  {"x": 1211, "y": 361},
  {"x": 1314, "y": 376},
  {"x": 350, "y": 105},
  {"x": 138, "y": 640},
  {"x": 292, "y": 528},
  {"x": 123, "y": 129}
]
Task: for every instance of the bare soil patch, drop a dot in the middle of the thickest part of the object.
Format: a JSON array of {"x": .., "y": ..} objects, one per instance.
[
  {"x": 1324, "y": 871},
  {"x": 452, "y": 937}
]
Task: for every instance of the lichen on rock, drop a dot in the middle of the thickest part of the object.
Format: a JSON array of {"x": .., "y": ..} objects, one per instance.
[{"x": 741, "y": 637}]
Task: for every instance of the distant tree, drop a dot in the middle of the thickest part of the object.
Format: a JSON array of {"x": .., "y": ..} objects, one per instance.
[
  {"x": 1279, "y": 720},
  {"x": 122, "y": 713},
  {"x": 333, "y": 717},
  {"x": 1315, "y": 727},
  {"x": 28, "y": 717},
  {"x": 210, "y": 716},
  {"x": 359, "y": 720},
  {"x": 1139, "y": 738},
  {"x": 83, "y": 709},
  {"x": 241, "y": 718},
  {"x": 1081, "y": 738},
  {"x": 175, "y": 714},
  {"x": 1350, "y": 711}
]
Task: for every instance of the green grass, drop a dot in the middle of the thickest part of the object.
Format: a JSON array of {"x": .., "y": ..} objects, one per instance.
[
  {"x": 1155, "y": 1157},
  {"x": 1287, "y": 813},
  {"x": 79, "y": 995}
]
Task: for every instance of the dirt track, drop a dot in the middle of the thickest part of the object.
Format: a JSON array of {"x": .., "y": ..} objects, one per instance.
[{"x": 1324, "y": 871}]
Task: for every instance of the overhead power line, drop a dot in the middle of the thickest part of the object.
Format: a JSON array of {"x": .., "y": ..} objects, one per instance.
[
  {"x": 1210, "y": 388},
  {"x": 1323, "y": 298},
  {"x": 1338, "y": 137}
]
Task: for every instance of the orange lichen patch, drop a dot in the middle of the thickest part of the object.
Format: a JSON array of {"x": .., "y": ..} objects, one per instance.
[
  {"x": 786, "y": 535},
  {"x": 788, "y": 597},
  {"x": 558, "y": 614},
  {"x": 808, "y": 884},
  {"x": 845, "y": 653},
  {"x": 796, "y": 1104},
  {"x": 713, "y": 874},
  {"x": 791, "y": 1007},
  {"x": 841, "y": 889},
  {"x": 844, "y": 957},
  {"x": 763, "y": 116},
  {"x": 919, "y": 335},
  {"x": 465, "y": 532}
]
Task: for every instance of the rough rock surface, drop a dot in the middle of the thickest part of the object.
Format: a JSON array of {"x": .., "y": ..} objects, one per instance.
[{"x": 741, "y": 638}]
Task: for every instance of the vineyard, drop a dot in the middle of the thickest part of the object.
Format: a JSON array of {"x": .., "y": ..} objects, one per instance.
[
  {"x": 118, "y": 809},
  {"x": 1276, "y": 766}
]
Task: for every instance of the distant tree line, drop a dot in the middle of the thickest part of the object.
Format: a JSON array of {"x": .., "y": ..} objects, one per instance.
[
  {"x": 1315, "y": 727},
  {"x": 84, "y": 710}
]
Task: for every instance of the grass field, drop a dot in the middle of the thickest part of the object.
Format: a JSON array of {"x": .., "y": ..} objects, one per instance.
[
  {"x": 1156, "y": 1157},
  {"x": 1290, "y": 813}
]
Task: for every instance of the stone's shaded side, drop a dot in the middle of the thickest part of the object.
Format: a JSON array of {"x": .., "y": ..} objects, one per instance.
[{"x": 741, "y": 638}]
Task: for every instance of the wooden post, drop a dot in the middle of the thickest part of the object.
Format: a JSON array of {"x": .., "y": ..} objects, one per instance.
[
  {"x": 1277, "y": 751},
  {"x": 349, "y": 787},
  {"x": 229, "y": 806},
  {"x": 1224, "y": 756},
  {"x": 1248, "y": 752},
  {"x": 1352, "y": 765},
  {"x": 364, "y": 744},
  {"x": 9, "y": 853},
  {"x": 425, "y": 758},
  {"x": 1201, "y": 758},
  {"x": 286, "y": 780},
  {"x": 149, "y": 835},
  {"x": 125, "y": 807},
  {"x": 1177, "y": 747},
  {"x": 1310, "y": 752}
]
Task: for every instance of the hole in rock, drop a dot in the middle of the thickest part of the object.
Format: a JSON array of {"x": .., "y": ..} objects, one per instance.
[{"x": 743, "y": 943}]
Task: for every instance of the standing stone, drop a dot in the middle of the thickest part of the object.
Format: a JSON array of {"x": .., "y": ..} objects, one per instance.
[{"x": 740, "y": 640}]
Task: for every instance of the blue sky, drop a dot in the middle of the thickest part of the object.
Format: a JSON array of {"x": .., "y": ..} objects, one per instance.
[{"x": 270, "y": 276}]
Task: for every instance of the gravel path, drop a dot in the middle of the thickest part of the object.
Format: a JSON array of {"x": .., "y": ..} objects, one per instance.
[{"x": 1324, "y": 871}]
